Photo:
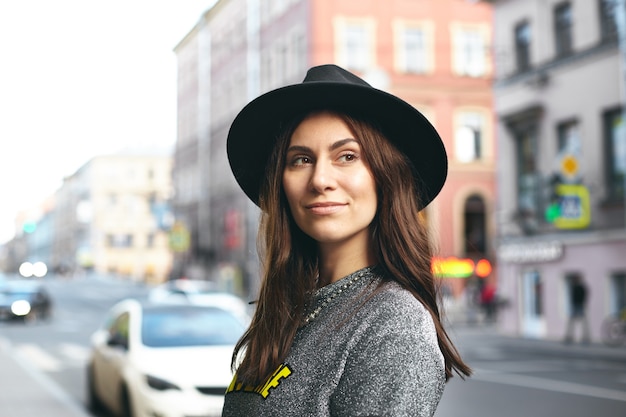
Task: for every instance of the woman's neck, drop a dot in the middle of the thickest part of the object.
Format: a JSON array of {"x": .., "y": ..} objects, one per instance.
[{"x": 337, "y": 262}]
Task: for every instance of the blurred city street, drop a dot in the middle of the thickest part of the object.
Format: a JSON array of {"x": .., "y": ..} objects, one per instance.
[
  {"x": 515, "y": 377},
  {"x": 44, "y": 364},
  {"x": 117, "y": 176}
]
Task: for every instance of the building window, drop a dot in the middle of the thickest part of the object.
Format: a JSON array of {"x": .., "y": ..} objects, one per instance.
[
  {"x": 567, "y": 137},
  {"x": 528, "y": 180},
  {"x": 119, "y": 240},
  {"x": 618, "y": 292},
  {"x": 356, "y": 47},
  {"x": 300, "y": 48},
  {"x": 470, "y": 50},
  {"x": 355, "y": 40},
  {"x": 534, "y": 295},
  {"x": 615, "y": 145},
  {"x": 475, "y": 227},
  {"x": 414, "y": 53},
  {"x": 469, "y": 137},
  {"x": 522, "y": 46},
  {"x": 150, "y": 240},
  {"x": 563, "y": 29},
  {"x": 608, "y": 22}
]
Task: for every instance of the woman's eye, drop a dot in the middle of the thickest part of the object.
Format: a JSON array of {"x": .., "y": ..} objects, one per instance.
[
  {"x": 348, "y": 157},
  {"x": 300, "y": 160}
]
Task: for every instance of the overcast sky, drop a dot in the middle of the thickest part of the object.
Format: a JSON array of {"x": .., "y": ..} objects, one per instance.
[{"x": 80, "y": 78}]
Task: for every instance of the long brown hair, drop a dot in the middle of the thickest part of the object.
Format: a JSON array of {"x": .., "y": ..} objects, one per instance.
[{"x": 290, "y": 257}]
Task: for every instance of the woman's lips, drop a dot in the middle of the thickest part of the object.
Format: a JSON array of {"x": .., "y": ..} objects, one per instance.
[{"x": 325, "y": 208}]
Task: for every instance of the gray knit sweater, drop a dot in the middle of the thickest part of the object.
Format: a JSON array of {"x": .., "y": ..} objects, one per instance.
[{"x": 367, "y": 353}]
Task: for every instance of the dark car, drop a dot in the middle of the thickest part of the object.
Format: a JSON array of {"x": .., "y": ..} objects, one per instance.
[{"x": 24, "y": 300}]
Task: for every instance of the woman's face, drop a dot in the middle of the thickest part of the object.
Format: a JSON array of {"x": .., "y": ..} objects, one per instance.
[{"x": 330, "y": 189}]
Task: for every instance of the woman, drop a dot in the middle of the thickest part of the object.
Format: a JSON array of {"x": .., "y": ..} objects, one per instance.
[{"x": 347, "y": 321}]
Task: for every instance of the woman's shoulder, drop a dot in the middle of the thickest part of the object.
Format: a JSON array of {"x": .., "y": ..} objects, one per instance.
[
  {"x": 395, "y": 302},
  {"x": 392, "y": 315}
]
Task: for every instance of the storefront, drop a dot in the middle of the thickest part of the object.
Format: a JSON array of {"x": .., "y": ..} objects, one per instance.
[{"x": 536, "y": 277}]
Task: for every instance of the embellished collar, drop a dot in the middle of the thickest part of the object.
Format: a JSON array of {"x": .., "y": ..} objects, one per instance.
[{"x": 325, "y": 295}]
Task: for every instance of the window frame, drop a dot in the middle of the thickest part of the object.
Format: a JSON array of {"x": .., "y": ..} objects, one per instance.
[
  {"x": 529, "y": 182},
  {"x": 343, "y": 56},
  {"x": 614, "y": 185},
  {"x": 522, "y": 45},
  {"x": 608, "y": 23},
  {"x": 402, "y": 59},
  {"x": 476, "y": 121},
  {"x": 470, "y": 58},
  {"x": 563, "y": 24}
]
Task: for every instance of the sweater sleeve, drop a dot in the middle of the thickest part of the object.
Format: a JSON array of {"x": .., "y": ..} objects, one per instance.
[{"x": 395, "y": 367}]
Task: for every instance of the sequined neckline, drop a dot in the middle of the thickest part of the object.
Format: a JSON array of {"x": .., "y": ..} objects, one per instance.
[{"x": 329, "y": 292}]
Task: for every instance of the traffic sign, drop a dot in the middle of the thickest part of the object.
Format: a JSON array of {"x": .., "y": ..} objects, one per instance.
[
  {"x": 179, "y": 237},
  {"x": 573, "y": 207}
]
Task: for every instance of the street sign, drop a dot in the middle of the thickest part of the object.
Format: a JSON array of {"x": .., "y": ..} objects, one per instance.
[
  {"x": 179, "y": 237},
  {"x": 573, "y": 207}
]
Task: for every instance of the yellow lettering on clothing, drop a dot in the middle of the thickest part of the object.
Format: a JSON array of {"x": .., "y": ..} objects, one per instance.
[
  {"x": 283, "y": 371},
  {"x": 273, "y": 381}
]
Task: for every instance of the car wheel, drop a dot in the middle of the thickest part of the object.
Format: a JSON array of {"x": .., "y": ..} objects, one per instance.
[
  {"x": 125, "y": 403},
  {"x": 93, "y": 400}
]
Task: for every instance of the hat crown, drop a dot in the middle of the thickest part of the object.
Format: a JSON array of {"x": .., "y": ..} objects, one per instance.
[{"x": 334, "y": 74}]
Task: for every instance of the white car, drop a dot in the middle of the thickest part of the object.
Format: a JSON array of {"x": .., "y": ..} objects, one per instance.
[
  {"x": 161, "y": 359},
  {"x": 199, "y": 292}
]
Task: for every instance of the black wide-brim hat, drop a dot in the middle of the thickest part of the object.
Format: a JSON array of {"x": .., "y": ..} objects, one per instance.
[{"x": 256, "y": 128}]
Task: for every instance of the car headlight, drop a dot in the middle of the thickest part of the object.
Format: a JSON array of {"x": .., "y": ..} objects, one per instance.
[
  {"x": 20, "y": 307},
  {"x": 160, "y": 384}
]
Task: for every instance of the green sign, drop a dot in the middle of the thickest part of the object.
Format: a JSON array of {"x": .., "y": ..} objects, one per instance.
[{"x": 572, "y": 209}]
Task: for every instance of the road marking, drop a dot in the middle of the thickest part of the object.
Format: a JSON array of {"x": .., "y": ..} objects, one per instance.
[
  {"x": 548, "y": 385},
  {"x": 74, "y": 352},
  {"x": 16, "y": 353},
  {"x": 37, "y": 356}
]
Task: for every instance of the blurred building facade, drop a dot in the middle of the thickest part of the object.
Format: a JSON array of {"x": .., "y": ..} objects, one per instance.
[
  {"x": 112, "y": 216},
  {"x": 435, "y": 54},
  {"x": 562, "y": 161}
]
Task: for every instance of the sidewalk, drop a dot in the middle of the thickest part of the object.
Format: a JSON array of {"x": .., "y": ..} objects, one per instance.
[
  {"x": 470, "y": 327},
  {"x": 27, "y": 392},
  {"x": 489, "y": 335}
]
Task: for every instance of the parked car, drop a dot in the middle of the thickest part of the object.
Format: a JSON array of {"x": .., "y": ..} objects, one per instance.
[
  {"x": 24, "y": 300},
  {"x": 197, "y": 291},
  {"x": 162, "y": 359}
]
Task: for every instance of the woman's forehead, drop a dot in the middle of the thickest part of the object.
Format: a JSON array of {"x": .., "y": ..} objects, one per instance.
[{"x": 320, "y": 127}]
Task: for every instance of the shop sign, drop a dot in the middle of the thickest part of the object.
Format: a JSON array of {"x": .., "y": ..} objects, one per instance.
[
  {"x": 453, "y": 267},
  {"x": 530, "y": 252}
]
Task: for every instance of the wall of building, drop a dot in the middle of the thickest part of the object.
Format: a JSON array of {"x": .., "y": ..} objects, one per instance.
[
  {"x": 534, "y": 262},
  {"x": 294, "y": 35}
]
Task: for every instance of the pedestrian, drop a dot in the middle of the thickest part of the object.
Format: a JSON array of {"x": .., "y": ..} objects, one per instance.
[
  {"x": 488, "y": 300},
  {"x": 578, "y": 295},
  {"x": 347, "y": 321}
]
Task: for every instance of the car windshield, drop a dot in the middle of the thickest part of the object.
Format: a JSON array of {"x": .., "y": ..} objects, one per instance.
[
  {"x": 189, "y": 326},
  {"x": 16, "y": 295}
]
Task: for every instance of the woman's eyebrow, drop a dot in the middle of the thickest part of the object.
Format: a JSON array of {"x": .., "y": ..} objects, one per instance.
[
  {"x": 341, "y": 143},
  {"x": 298, "y": 148},
  {"x": 333, "y": 146}
]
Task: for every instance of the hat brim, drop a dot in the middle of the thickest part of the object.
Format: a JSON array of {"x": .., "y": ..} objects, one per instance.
[{"x": 256, "y": 128}]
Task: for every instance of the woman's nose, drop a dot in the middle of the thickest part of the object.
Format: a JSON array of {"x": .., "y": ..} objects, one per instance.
[{"x": 322, "y": 177}]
